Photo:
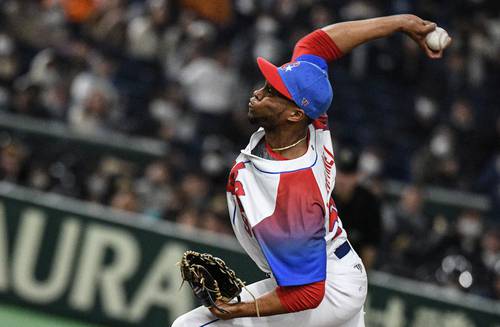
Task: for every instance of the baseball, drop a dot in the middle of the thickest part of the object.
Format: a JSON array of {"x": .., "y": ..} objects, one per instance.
[{"x": 437, "y": 39}]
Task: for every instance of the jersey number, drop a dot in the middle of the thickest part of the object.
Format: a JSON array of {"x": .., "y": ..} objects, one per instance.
[
  {"x": 236, "y": 188},
  {"x": 233, "y": 186}
]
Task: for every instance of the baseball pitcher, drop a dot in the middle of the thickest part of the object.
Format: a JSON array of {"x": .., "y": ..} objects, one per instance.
[{"x": 279, "y": 191}]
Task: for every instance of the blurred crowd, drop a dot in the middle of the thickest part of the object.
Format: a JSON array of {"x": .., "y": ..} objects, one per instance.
[
  {"x": 182, "y": 71},
  {"x": 462, "y": 252}
]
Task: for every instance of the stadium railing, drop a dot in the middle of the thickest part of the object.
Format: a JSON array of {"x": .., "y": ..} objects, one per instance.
[{"x": 132, "y": 148}]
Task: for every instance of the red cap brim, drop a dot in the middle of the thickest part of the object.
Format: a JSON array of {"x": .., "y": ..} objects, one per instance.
[{"x": 272, "y": 75}]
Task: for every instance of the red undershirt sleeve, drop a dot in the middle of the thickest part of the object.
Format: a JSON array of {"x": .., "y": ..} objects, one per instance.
[
  {"x": 303, "y": 297},
  {"x": 317, "y": 43}
]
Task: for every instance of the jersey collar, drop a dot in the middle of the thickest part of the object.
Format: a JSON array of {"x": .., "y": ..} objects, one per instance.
[{"x": 306, "y": 161}]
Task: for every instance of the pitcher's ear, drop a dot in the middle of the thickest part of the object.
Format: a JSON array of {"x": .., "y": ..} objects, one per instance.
[{"x": 297, "y": 115}]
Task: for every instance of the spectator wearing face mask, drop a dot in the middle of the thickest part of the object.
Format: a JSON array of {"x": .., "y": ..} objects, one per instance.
[{"x": 436, "y": 163}]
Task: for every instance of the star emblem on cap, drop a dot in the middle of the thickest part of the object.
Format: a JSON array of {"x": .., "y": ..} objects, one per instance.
[{"x": 290, "y": 66}]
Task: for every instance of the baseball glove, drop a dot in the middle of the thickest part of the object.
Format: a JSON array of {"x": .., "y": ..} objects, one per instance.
[{"x": 210, "y": 278}]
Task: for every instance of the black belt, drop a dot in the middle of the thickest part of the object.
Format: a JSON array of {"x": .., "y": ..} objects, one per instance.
[{"x": 342, "y": 250}]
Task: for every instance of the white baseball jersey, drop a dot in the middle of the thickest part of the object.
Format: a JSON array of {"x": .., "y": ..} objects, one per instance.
[
  {"x": 284, "y": 217},
  {"x": 282, "y": 212}
]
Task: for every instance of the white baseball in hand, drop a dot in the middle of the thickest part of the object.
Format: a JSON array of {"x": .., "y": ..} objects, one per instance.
[{"x": 438, "y": 39}]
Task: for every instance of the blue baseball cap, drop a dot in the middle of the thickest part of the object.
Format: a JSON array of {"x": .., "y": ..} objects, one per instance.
[{"x": 303, "y": 82}]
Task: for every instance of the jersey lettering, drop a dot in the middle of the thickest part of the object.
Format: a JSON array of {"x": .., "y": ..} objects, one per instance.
[{"x": 328, "y": 161}]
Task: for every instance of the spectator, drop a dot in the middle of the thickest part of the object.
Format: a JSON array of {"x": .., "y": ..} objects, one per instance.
[
  {"x": 194, "y": 190},
  {"x": 461, "y": 265},
  {"x": 436, "y": 163},
  {"x": 155, "y": 189},
  {"x": 211, "y": 222},
  {"x": 94, "y": 115},
  {"x": 358, "y": 207},
  {"x": 9, "y": 64},
  {"x": 27, "y": 101},
  {"x": 12, "y": 162},
  {"x": 146, "y": 33},
  {"x": 188, "y": 219},
  {"x": 470, "y": 229},
  {"x": 106, "y": 25},
  {"x": 470, "y": 138},
  {"x": 97, "y": 78},
  {"x": 490, "y": 253},
  {"x": 211, "y": 85},
  {"x": 125, "y": 200},
  {"x": 489, "y": 181},
  {"x": 176, "y": 122},
  {"x": 405, "y": 224}
]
